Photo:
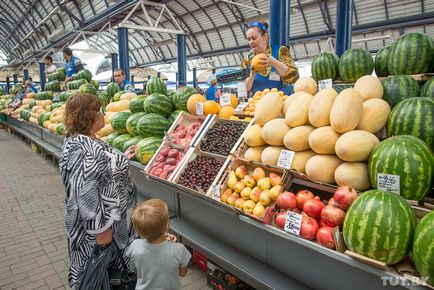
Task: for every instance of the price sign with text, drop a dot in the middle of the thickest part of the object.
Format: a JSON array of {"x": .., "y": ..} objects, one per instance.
[
  {"x": 388, "y": 182},
  {"x": 56, "y": 98},
  {"x": 242, "y": 89},
  {"x": 199, "y": 108},
  {"x": 324, "y": 84},
  {"x": 293, "y": 223},
  {"x": 225, "y": 100},
  {"x": 285, "y": 158},
  {"x": 215, "y": 192},
  {"x": 241, "y": 107}
]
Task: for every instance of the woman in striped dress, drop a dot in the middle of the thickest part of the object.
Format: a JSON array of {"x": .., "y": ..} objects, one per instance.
[{"x": 99, "y": 191}]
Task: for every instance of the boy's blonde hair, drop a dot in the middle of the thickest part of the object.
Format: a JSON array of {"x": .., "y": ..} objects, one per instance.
[{"x": 150, "y": 219}]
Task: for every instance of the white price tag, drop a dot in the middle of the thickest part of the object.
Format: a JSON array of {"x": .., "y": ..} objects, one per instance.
[
  {"x": 285, "y": 158},
  {"x": 56, "y": 98},
  {"x": 241, "y": 107},
  {"x": 293, "y": 223},
  {"x": 225, "y": 100},
  {"x": 388, "y": 182},
  {"x": 215, "y": 192},
  {"x": 274, "y": 76},
  {"x": 199, "y": 108},
  {"x": 242, "y": 89},
  {"x": 324, "y": 84}
]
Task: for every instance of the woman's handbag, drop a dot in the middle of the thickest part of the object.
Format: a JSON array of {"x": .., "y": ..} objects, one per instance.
[{"x": 121, "y": 279}]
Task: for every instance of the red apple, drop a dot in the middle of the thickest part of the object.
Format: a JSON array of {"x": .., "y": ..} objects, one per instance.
[
  {"x": 302, "y": 196},
  {"x": 309, "y": 227},
  {"x": 332, "y": 215},
  {"x": 280, "y": 219},
  {"x": 344, "y": 196},
  {"x": 313, "y": 208},
  {"x": 286, "y": 200},
  {"x": 324, "y": 237}
]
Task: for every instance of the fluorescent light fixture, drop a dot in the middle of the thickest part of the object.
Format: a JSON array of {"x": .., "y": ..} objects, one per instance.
[{"x": 56, "y": 34}]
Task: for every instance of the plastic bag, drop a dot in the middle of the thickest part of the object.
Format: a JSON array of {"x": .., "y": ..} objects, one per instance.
[{"x": 95, "y": 276}]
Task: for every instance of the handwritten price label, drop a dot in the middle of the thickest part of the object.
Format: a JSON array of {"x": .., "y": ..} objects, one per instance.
[
  {"x": 388, "y": 182},
  {"x": 199, "y": 108},
  {"x": 324, "y": 84},
  {"x": 225, "y": 100},
  {"x": 293, "y": 223},
  {"x": 241, "y": 107},
  {"x": 215, "y": 192},
  {"x": 285, "y": 159}
]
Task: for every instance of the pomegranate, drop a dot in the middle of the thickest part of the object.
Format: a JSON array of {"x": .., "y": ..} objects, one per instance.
[
  {"x": 322, "y": 223},
  {"x": 344, "y": 196},
  {"x": 309, "y": 227},
  {"x": 296, "y": 210},
  {"x": 280, "y": 219},
  {"x": 324, "y": 237},
  {"x": 331, "y": 202},
  {"x": 302, "y": 196},
  {"x": 333, "y": 216},
  {"x": 303, "y": 213},
  {"x": 313, "y": 208},
  {"x": 286, "y": 200}
]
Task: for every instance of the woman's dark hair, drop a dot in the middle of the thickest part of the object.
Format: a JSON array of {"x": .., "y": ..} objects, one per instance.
[
  {"x": 67, "y": 50},
  {"x": 81, "y": 113},
  {"x": 49, "y": 58}
]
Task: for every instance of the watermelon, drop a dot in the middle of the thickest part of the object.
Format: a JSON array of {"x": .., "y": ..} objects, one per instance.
[
  {"x": 132, "y": 123},
  {"x": 25, "y": 114},
  {"x": 75, "y": 85},
  {"x": 158, "y": 104},
  {"x": 174, "y": 115},
  {"x": 131, "y": 142},
  {"x": 156, "y": 85},
  {"x": 412, "y": 53},
  {"x": 104, "y": 97},
  {"x": 325, "y": 66},
  {"x": 88, "y": 89},
  {"x": 60, "y": 128},
  {"x": 32, "y": 104},
  {"x": 61, "y": 69},
  {"x": 414, "y": 116},
  {"x": 64, "y": 96},
  {"x": 118, "y": 95},
  {"x": 112, "y": 89},
  {"x": 43, "y": 117},
  {"x": 57, "y": 76},
  {"x": 111, "y": 137},
  {"x": 423, "y": 247},
  {"x": 119, "y": 142},
  {"x": 406, "y": 156},
  {"x": 53, "y": 86},
  {"x": 381, "y": 60},
  {"x": 44, "y": 95},
  {"x": 355, "y": 63},
  {"x": 398, "y": 88},
  {"x": 119, "y": 121},
  {"x": 136, "y": 105},
  {"x": 428, "y": 89},
  {"x": 85, "y": 74},
  {"x": 380, "y": 226},
  {"x": 95, "y": 83},
  {"x": 74, "y": 77},
  {"x": 152, "y": 125},
  {"x": 147, "y": 148},
  {"x": 181, "y": 96}
]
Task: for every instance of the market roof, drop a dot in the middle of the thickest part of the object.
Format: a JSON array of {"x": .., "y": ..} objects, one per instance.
[{"x": 215, "y": 30}]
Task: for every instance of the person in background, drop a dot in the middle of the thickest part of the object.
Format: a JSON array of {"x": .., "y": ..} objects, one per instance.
[
  {"x": 281, "y": 71},
  {"x": 72, "y": 64},
  {"x": 213, "y": 93},
  {"x": 100, "y": 193},
  {"x": 124, "y": 84},
  {"x": 158, "y": 259},
  {"x": 49, "y": 66},
  {"x": 29, "y": 87}
]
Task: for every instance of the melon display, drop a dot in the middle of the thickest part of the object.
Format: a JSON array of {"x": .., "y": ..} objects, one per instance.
[
  {"x": 355, "y": 63},
  {"x": 146, "y": 148},
  {"x": 406, "y": 156},
  {"x": 112, "y": 89},
  {"x": 181, "y": 96},
  {"x": 111, "y": 137},
  {"x": 423, "y": 247},
  {"x": 380, "y": 226},
  {"x": 254, "y": 153},
  {"x": 152, "y": 125},
  {"x": 369, "y": 87},
  {"x": 193, "y": 100},
  {"x": 174, "y": 115},
  {"x": 412, "y": 53},
  {"x": 118, "y": 143},
  {"x": 297, "y": 139},
  {"x": 428, "y": 89},
  {"x": 253, "y": 136},
  {"x": 268, "y": 108},
  {"x": 156, "y": 85},
  {"x": 374, "y": 116},
  {"x": 298, "y": 111},
  {"x": 274, "y": 131},
  {"x": 381, "y": 59},
  {"x": 131, "y": 142},
  {"x": 319, "y": 108},
  {"x": 300, "y": 159},
  {"x": 119, "y": 121},
  {"x": 158, "y": 104},
  {"x": 325, "y": 66},
  {"x": 346, "y": 111},
  {"x": 88, "y": 89},
  {"x": 322, "y": 168},
  {"x": 226, "y": 112},
  {"x": 136, "y": 105},
  {"x": 84, "y": 74},
  {"x": 414, "y": 116},
  {"x": 353, "y": 174},
  {"x": 306, "y": 84},
  {"x": 288, "y": 101},
  {"x": 131, "y": 124},
  {"x": 398, "y": 88},
  {"x": 210, "y": 108},
  {"x": 270, "y": 155},
  {"x": 60, "y": 129},
  {"x": 356, "y": 145},
  {"x": 103, "y": 96},
  {"x": 257, "y": 64},
  {"x": 323, "y": 140}
]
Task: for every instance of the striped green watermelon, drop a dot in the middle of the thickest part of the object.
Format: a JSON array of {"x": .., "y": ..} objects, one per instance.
[
  {"x": 412, "y": 53},
  {"x": 406, "y": 156},
  {"x": 152, "y": 125},
  {"x": 398, "y": 88},
  {"x": 43, "y": 117},
  {"x": 132, "y": 123},
  {"x": 136, "y": 105},
  {"x": 95, "y": 83},
  {"x": 381, "y": 60},
  {"x": 131, "y": 142},
  {"x": 380, "y": 226},
  {"x": 85, "y": 74},
  {"x": 112, "y": 89},
  {"x": 32, "y": 104},
  {"x": 355, "y": 63},
  {"x": 25, "y": 114},
  {"x": 119, "y": 121},
  {"x": 111, "y": 137},
  {"x": 414, "y": 116},
  {"x": 156, "y": 85},
  {"x": 119, "y": 142},
  {"x": 174, "y": 115},
  {"x": 104, "y": 97},
  {"x": 158, "y": 104},
  {"x": 423, "y": 247},
  {"x": 147, "y": 148},
  {"x": 180, "y": 98},
  {"x": 325, "y": 66},
  {"x": 118, "y": 95},
  {"x": 428, "y": 89},
  {"x": 88, "y": 89},
  {"x": 60, "y": 128}
]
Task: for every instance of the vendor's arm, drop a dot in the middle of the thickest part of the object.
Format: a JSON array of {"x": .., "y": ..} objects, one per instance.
[
  {"x": 290, "y": 74},
  {"x": 78, "y": 64}
]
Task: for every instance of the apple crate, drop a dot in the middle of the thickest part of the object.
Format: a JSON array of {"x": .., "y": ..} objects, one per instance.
[
  {"x": 164, "y": 144},
  {"x": 187, "y": 120},
  {"x": 222, "y": 184}
]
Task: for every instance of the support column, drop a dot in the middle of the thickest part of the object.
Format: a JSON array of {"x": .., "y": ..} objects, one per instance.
[
  {"x": 8, "y": 84},
  {"x": 26, "y": 74},
  {"x": 124, "y": 57},
  {"x": 132, "y": 80},
  {"x": 15, "y": 76},
  {"x": 279, "y": 22},
  {"x": 42, "y": 75},
  {"x": 194, "y": 77},
  {"x": 213, "y": 71},
  {"x": 159, "y": 74},
  {"x": 115, "y": 64},
  {"x": 344, "y": 22},
  {"x": 182, "y": 60},
  {"x": 284, "y": 21}
]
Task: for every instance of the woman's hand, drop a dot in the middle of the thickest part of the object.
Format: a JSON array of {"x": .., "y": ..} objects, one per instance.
[
  {"x": 104, "y": 238},
  {"x": 269, "y": 61}
]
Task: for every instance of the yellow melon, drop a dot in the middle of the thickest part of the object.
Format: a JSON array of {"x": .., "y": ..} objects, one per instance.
[
  {"x": 322, "y": 168},
  {"x": 319, "y": 109},
  {"x": 268, "y": 108},
  {"x": 128, "y": 96},
  {"x": 356, "y": 145},
  {"x": 346, "y": 111},
  {"x": 270, "y": 155},
  {"x": 226, "y": 112},
  {"x": 191, "y": 103},
  {"x": 369, "y": 87},
  {"x": 297, "y": 139},
  {"x": 211, "y": 108},
  {"x": 300, "y": 160},
  {"x": 274, "y": 131},
  {"x": 254, "y": 153},
  {"x": 306, "y": 84},
  {"x": 323, "y": 140},
  {"x": 288, "y": 101},
  {"x": 253, "y": 136},
  {"x": 354, "y": 174},
  {"x": 257, "y": 64},
  {"x": 374, "y": 116},
  {"x": 234, "y": 101},
  {"x": 297, "y": 113}
]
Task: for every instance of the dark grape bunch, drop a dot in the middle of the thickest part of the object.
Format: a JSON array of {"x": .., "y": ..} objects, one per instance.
[
  {"x": 221, "y": 138},
  {"x": 200, "y": 173}
]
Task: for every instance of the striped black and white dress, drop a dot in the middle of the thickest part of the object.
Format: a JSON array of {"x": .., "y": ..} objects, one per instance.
[{"x": 99, "y": 194}]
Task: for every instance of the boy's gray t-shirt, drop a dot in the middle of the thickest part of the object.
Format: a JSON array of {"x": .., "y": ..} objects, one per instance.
[{"x": 158, "y": 265}]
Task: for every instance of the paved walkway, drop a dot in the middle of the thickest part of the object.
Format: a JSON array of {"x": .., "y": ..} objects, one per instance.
[{"x": 33, "y": 252}]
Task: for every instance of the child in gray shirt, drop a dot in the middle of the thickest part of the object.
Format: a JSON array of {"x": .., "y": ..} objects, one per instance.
[{"x": 159, "y": 262}]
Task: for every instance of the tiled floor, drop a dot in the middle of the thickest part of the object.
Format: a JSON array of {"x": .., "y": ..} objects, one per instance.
[{"x": 33, "y": 252}]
